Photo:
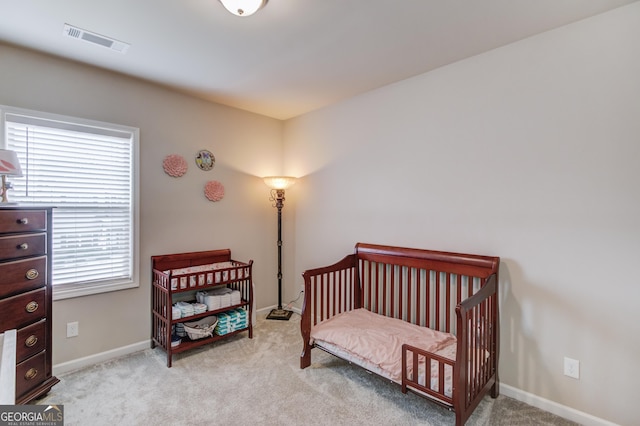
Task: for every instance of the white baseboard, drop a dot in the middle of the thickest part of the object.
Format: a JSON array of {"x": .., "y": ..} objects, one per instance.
[
  {"x": 553, "y": 407},
  {"x": 87, "y": 361},
  {"x": 265, "y": 309}
]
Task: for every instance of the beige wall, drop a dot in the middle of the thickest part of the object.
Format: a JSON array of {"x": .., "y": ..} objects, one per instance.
[
  {"x": 174, "y": 214},
  {"x": 529, "y": 152}
]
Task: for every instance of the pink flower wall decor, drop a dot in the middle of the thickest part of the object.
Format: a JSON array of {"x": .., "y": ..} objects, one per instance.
[
  {"x": 174, "y": 165},
  {"x": 213, "y": 190}
]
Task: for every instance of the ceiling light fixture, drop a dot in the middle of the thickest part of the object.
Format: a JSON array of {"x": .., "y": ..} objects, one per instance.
[{"x": 243, "y": 7}]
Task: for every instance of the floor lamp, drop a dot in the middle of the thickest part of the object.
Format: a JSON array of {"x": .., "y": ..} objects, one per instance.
[{"x": 278, "y": 184}]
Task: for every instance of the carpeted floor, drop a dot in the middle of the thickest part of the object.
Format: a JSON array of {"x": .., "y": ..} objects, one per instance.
[{"x": 244, "y": 381}]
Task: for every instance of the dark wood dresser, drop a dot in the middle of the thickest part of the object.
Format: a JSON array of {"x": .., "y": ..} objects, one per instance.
[{"x": 25, "y": 295}]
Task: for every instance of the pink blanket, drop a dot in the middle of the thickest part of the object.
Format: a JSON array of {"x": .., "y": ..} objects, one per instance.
[{"x": 373, "y": 340}]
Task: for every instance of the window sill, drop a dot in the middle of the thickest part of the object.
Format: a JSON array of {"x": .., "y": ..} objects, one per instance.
[{"x": 69, "y": 291}]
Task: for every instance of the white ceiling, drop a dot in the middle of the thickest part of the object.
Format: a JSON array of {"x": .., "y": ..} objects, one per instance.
[{"x": 291, "y": 57}]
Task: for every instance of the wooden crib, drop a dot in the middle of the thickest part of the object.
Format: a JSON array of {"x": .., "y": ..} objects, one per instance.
[{"x": 452, "y": 293}]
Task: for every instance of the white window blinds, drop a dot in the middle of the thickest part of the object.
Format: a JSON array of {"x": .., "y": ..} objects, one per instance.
[{"x": 86, "y": 173}]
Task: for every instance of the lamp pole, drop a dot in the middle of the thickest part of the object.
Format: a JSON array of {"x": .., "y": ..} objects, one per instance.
[
  {"x": 278, "y": 184},
  {"x": 279, "y": 204}
]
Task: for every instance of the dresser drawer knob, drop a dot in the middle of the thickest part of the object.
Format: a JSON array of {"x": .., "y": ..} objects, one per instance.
[
  {"x": 23, "y": 221},
  {"x": 23, "y": 246},
  {"x": 31, "y": 306},
  {"x": 31, "y": 341},
  {"x": 31, "y": 374},
  {"x": 32, "y": 274}
]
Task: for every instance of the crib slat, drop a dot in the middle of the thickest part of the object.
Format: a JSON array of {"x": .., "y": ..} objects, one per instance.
[
  {"x": 334, "y": 287},
  {"x": 354, "y": 288},
  {"x": 369, "y": 284},
  {"x": 401, "y": 282},
  {"x": 470, "y": 355},
  {"x": 436, "y": 302},
  {"x": 447, "y": 319},
  {"x": 441, "y": 377},
  {"x": 393, "y": 291},
  {"x": 382, "y": 283},
  {"x": 322, "y": 297},
  {"x": 420, "y": 283},
  {"x": 412, "y": 304},
  {"x": 340, "y": 289},
  {"x": 415, "y": 370}
]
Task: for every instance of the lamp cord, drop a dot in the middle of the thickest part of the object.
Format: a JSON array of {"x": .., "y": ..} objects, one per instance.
[{"x": 288, "y": 306}]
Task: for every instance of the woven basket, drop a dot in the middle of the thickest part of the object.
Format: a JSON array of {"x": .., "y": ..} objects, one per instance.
[{"x": 201, "y": 328}]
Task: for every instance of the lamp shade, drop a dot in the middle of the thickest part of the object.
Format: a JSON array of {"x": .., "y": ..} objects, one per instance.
[
  {"x": 9, "y": 164},
  {"x": 243, "y": 7},
  {"x": 279, "y": 182}
]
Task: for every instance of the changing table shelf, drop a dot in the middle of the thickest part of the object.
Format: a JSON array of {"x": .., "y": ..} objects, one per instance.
[{"x": 189, "y": 344}]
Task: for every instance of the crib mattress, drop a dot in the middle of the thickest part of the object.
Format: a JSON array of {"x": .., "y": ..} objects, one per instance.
[{"x": 375, "y": 342}]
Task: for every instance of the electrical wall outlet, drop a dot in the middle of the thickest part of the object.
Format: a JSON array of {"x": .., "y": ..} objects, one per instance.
[
  {"x": 72, "y": 329},
  {"x": 572, "y": 368}
]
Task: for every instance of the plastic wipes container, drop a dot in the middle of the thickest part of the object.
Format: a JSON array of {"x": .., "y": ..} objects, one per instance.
[
  {"x": 231, "y": 321},
  {"x": 175, "y": 340}
]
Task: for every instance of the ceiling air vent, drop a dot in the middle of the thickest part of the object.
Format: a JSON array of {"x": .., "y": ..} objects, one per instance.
[{"x": 109, "y": 43}]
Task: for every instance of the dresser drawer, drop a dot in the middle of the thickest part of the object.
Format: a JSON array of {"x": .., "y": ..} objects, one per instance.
[
  {"x": 23, "y": 220},
  {"x": 23, "y": 245},
  {"x": 30, "y": 373},
  {"x": 31, "y": 340},
  {"x": 23, "y": 309},
  {"x": 22, "y": 275}
]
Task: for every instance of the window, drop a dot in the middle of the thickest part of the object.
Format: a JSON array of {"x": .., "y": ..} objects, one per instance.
[{"x": 86, "y": 170}]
